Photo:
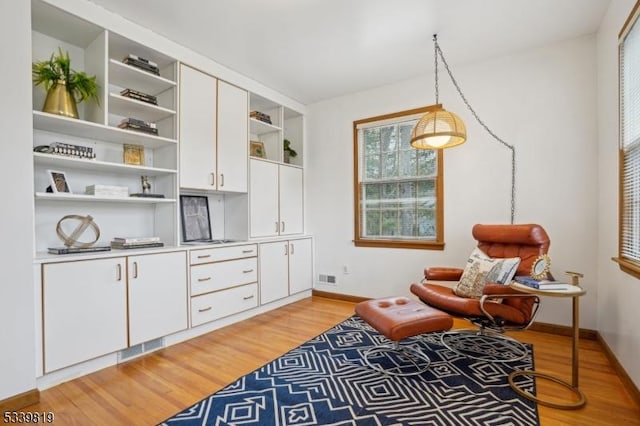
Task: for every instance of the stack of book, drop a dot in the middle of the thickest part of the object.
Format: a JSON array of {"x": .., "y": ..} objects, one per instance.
[
  {"x": 260, "y": 116},
  {"x": 138, "y": 125},
  {"x": 139, "y": 96},
  {"x": 75, "y": 250},
  {"x": 541, "y": 284},
  {"x": 124, "y": 243},
  {"x": 142, "y": 63}
]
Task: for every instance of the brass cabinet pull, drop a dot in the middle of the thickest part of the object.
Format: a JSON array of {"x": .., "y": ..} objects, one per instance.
[
  {"x": 213, "y": 179},
  {"x": 248, "y": 297},
  {"x": 118, "y": 272},
  {"x": 135, "y": 269},
  {"x": 221, "y": 179},
  {"x": 204, "y": 309},
  {"x": 204, "y": 279},
  {"x": 204, "y": 256},
  {"x": 246, "y": 271}
]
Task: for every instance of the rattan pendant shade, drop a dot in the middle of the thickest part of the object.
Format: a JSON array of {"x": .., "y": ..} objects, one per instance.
[{"x": 438, "y": 129}]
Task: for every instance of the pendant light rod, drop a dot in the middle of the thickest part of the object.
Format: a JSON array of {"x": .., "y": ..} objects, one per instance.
[{"x": 438, "y": 52}]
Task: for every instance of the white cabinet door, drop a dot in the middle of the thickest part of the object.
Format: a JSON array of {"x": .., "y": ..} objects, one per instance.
[
  {"x": 197, "y": 136},
  {"x": 300, "y": 265},
  {"x": 233, "y": 138},
  {"x": 84, "y": 310},
  {"x": 263, "y": 203},
  {"x": 274, "y": 271},
  {"x": 157, "y": 295},
  {"x": 291, "y": 203}
]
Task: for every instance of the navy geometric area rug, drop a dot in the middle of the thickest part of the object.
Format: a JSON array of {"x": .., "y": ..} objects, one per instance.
[{"x": 326, "y": 381}]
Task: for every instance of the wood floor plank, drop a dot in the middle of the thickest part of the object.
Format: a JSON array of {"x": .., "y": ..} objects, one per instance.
[{"x": 147, "y": 390}]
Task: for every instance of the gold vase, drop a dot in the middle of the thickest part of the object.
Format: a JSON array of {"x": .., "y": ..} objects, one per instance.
[{"x": 60, "y": 101}]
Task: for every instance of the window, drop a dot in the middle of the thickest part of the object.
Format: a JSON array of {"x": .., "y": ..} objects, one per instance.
[
  {"x": 398, "y": 189},
  {"x": 629, "y": 222}
]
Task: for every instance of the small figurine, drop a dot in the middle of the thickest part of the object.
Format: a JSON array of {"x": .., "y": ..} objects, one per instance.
[{"x": 146, "y": 185}]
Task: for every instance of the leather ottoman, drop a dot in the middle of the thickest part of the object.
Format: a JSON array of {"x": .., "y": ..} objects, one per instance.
[{"x": 398, "y": 318}]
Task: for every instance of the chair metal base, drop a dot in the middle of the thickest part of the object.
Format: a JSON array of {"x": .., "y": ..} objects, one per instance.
[
  {"x": 582, "y": 399},
  {"x": 402, "y": 357},
  {"x": 484, "y": 345}
]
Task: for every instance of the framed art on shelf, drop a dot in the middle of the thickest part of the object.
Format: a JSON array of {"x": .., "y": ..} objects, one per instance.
[
  {"x": 257, "y": 149},
  {"x": 133, "y": 155},
  {"x": 194, "y": 211},
  {"x": 58, "y": 181}
]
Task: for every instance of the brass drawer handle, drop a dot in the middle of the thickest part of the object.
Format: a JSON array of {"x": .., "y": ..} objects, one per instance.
[
  {"x": 248, "y": 297},
  {"x": 204, "y": 279},
  {"x": 204, "y": 309}
]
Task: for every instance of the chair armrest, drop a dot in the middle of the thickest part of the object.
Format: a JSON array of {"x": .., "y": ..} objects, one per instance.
[{"x": 439, "y": 273}]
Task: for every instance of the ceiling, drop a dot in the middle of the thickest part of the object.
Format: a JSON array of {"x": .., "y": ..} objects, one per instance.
[{"x": 310, "y": 50}]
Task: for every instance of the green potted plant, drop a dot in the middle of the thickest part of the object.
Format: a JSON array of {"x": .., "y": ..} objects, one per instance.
[
  {"x": 65, "y": 87},
  {"x": 288, "y": 151}
]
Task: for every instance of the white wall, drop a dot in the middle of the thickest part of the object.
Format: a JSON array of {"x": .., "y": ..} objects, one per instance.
[
  {"x": 618, "y": 292},
  {"x": 542, "y": 101},
  {"x": 17, "y": 356}
]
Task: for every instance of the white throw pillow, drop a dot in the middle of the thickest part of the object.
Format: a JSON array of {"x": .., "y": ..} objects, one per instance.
[{"x": 482, "y": 269}]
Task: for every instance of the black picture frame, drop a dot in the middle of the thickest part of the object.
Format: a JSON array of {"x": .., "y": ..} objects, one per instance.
[{"x": 194, "y": 213}]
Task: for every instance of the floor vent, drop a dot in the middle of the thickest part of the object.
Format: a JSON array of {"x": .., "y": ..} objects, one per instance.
[{"x": 141, "y": 349}]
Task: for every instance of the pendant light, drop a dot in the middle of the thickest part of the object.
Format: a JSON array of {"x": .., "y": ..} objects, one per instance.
[{"x": 438, "y": 128}]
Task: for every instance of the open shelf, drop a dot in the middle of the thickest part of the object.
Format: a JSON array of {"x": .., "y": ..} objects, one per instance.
[
  {"x": 126, "y": 76},
  {"x": 60, "y": 161},
  {"x": 49, "y": 196},
  {"x": 128, "y": 107},
  {"x": 94, "y": 131}
]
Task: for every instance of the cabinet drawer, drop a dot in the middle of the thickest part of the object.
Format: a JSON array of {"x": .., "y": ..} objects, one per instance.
[
  {"x": 212, "y": 306},
  {"x": 222, "y": 253},
  {"x": 218, "y": 276}
]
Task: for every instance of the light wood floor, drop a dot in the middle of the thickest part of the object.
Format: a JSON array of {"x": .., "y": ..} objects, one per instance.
[{"x": 150, "y": 389}]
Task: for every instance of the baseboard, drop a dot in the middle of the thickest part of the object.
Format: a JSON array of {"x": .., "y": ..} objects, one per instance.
[
  {"x": 620, "y": 371},
  {"x": 338, "y": 296},
  {"x": 563, "y": 330},
  {"x": 19, "y": 401}
]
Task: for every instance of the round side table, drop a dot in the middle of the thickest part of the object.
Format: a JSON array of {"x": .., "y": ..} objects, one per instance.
[{"x": 573, "y": 291}]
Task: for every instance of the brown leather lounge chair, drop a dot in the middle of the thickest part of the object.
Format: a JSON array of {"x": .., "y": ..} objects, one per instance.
[{"x": 499, "y": 308}]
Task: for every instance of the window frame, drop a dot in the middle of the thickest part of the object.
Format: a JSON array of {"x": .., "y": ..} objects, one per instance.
[
  {"x": 626, "y": 264},
  {"x": 359, "y": 241}
]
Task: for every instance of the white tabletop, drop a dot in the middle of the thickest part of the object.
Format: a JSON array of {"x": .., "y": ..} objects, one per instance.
[{"x": 569, "y": 291}]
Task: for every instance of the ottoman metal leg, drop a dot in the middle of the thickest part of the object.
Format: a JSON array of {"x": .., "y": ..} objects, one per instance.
[{"x": 419, "y": 361}]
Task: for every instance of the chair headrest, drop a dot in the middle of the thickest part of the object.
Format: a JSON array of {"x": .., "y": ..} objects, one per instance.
[{"x": 522, "y": 234}]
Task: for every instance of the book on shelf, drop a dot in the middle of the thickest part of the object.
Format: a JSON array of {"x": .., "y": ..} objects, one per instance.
[
  {"x": 126, "y": 246},
  {"x": 260, "y": 116},
  {"x": 72, "y": 250},
  {"x": 139, "y": 96},
  {"x": 136, "y": 240},
  {"x": 142, "y": 65},
  {"x": 138, "y": 122},
  {"x": 146, "y": 129},
  {"x": 541, "y": 284},
  {"x": 141, "y": 59}
]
